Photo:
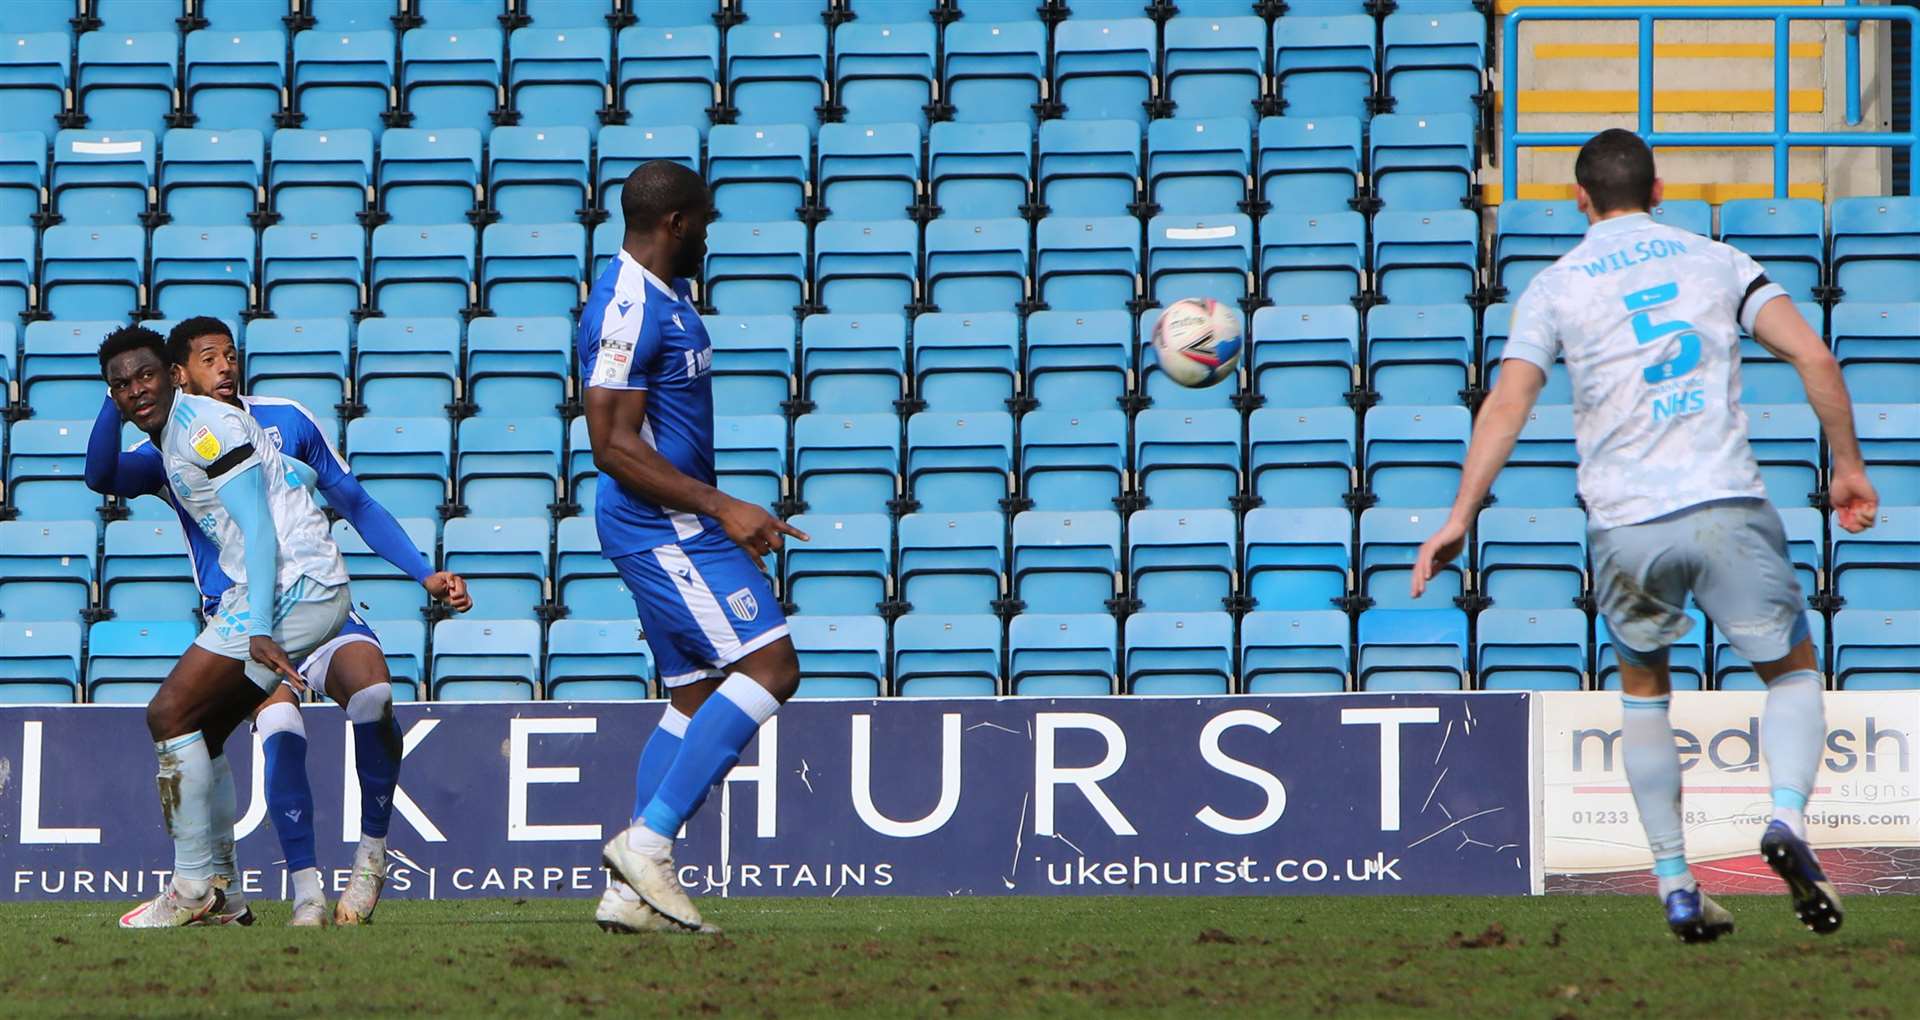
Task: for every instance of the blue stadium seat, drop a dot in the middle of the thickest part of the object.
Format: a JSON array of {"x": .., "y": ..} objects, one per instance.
[
  {"x": 34, "y": 79},
  {"x": 1890, "y": 442},
  {"x": 1302, "y": 456},
  {"x": 1876, "y": 651},
  {"x": 253, "y": 16},
  {"x": 959, "y": 461},
  {"x": 1542, "y": 471},
  {"x": 201, "y": 270},
  {"x": 586, "y": 582},
  {"x": 950, "y": 655},
  {"x": 1312, "y": 258},
  {"x": 1414, "y": 452},
  {"x": 99, "y": 178},
  {"x": 1390, "y": 537},
  {"x": 422, "y": 270},
  {"x": 60, "y": 365},
  {"x": 666, "y": 75},
  {"x": 677, "y": 12},
  {"x": 9, "y": 347},
  {"x": 846, "y": 463},
  {"x": 1073, "y": 460},
  {"x": 1308, "y": 164},
  {"x": 853, "y": 364},
  {"x": 539, "y": 174},
  {"x": 1187, "y": 653},
  {"x": 146, "y": 573},
  {"x": 235, "y": 80},
  {"x": 1305, "y": 355},
  {"x": 1423, "y": 161},
  {"x": 1066, "y": 561},
  {"x": 867, "y": 170},
  {"x": 884, "y": 73},
  {"x": 759, "y": 171},
  {"x": 978, "y": 11},
  {"x": 532, "y": 269},
  {"x": 1087, "y": 263},
  {"x": 1297, "y": 559},
  {"x": 428, "y": 176},
  {"x": 623, "y": 148},
  {"x": 1532, "y": 558},
  {"x": 984, "y": 168},
  {"x": 1307, "y": 652},
  {"x": 1214, "y": 66},
  {"x": 1078, "y": 360},
  {"x": 976, "y": 265},
  {"x": 344, "y": 79},
  {"x": 442, "y": 14},
  {"x": 486, "y": 660},
  {"x": 1323, "y": 66},
  {"x": 504, "y": 560},
  {"x": 1182, "y": 560},
  {"x": 1875, "y": 570},
  {"x": 1689, "y": 214},
  {"x": 1786, "y": 235},
  {"x": 777, "y": 74},
  {"x": 1105, "y": 69},
  {"x": 1494, "y": 330},
  {"x": 124, "y": 81},
  {"x": 582, "y": 476},
  {"x": 1434, "y": 62},
  {"x": 1531, "y": 236},
  {"x": 1879, "y": 350},
  {"x": 597, "y": 660},
  {"x": 136, "y": 15},
  {"x": 127, "y": 659},
  {"x": 1426, "y": 257},
  {"x": 1732, "y": 672},
  {"x": 558, "y": 76},
  {"x": 1416, "y": 353},
  {"x": 40, "y": 16},
  {"x": 87, "y": 271},
  {"x": 405, "y": 463},
  {"x": 1187, "y": 458},
  {"x": 567, "y": 13},
  {"x": 756, "y": 268},
  {"x": 509, "y": 465},
  {"x": 39, "y": 661},
  {"x": 382, "y": 591},
  {"x": 1686, "y": 658},
  {"x": 312, "y": 271},
  {"x": 752, "y": 360},
  {"x": 1198, "y": 166},
  {"x": 966, "y": 362},
  {"x": 779, "y": 12},
  {"x": 846, "y": 566},
  {"x": 1876, "y": 244},
  {"x": 952, "y": 562},
  {"x": 994, "y": 71},
  {"x": 451, "y": 78},
  {"x": 304, "y": 360},
  {"x": 890, "y": 10},
  {"x": 320, "y": 177},
  {"x": 1786, "y": 442},
  {"x": 1088, "y": 168},
  {"x": 23, "y": 175},
  {"x": 1064, "y": 655},
  {"x": 404, "y": 365},
  {"x": 210, "y": 178},
  {"x": 1200, "y": 257},
  {"x": 404, "y": 644},
  {"x": 1412, "y": 650},
  {"x": 866, "y": 266},
  {"x": 1531, "y": 649},
  {"x": 750, "y": 457},
  {"x": 840, "y": 656},
  {"x": 46, "y": 569},
  {"x": 1806, "y": 529}
]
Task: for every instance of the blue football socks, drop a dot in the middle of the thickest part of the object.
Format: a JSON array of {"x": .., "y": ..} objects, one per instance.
[
  {"x": 715, "y": 736},
  {"x": 376, "y": 756},
  {"x": 283, "y": 740},
  {"x": 656, "y": 757}
]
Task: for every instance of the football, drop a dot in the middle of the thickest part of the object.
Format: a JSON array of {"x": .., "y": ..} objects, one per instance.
[{"x": 1198, "y": 341}]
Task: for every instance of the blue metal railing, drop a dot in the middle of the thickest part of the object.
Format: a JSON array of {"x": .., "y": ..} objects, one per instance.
[{"x": 1781, "y": 139}]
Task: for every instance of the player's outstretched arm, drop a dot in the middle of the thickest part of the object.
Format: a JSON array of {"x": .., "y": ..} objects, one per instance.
[
  {"x": 112, "y": 471},
  {"x": 1495, "y": 429},
  {"x": 244, "y": 495},
  {"x": 1780, "y": 328},
  {"x": 613, "y": 428}
]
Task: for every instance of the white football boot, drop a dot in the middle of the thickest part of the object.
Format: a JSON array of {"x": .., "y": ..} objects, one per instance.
[
  {"x": 310, "y": 913},
  {"x": 655, "y": 879},
  {"x": 623, "y": 916},
  {"x": 170, "y": 909},
  {"x": 363, "y": 888}
]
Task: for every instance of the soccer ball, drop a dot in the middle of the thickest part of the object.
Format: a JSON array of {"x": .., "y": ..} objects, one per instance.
[{"x": 1198, "y": 341}]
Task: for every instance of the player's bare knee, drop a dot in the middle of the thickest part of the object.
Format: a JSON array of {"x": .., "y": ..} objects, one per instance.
[
  {"x": 168, "y": 715},
  {"x": 1800, "y": 657},
  {"x": 687, "y": 698}
]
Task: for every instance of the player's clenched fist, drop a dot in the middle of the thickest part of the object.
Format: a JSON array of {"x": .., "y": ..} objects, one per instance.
[
  {"x": 1854, "y": 502},
  {"x": 754, "y": 529},
  {"x": 449, "y": 588}
]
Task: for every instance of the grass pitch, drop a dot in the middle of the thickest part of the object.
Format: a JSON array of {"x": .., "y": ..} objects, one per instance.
[{"x": 1565, "y": 956}]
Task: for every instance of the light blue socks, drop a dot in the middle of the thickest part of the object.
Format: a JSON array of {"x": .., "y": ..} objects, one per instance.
[
  {"x": 1653, "y": 772},
  {"x": 1793, "y": 729}
]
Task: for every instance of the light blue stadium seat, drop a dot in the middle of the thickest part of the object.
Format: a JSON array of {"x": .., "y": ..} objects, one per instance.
[
  {"x": 46, "y": 569},
  {"x": 1182, "y": 560},
  {"x": 582, "y": 474},
  {"x": 504, "y": 560},
  {"x": 597, "y": 660},
  {"x": 201, "y": 270},
  {"x": 1434, "y": 62},
  {"x": 1087, "y": 263},
  {"x": 1200, "y": 257},
  {"x": 1390, "y": 538},
  {"x": 533, "y": 269},
  {"x": 1412, "y": 650},
  {"x": 1494, "y": 330},
  {"x": 1732, "y": 672},
  {"x": 442, "y": 14},
  {"x": 127, "y": 659},
  {"x": 1078, "y": 360},
  {"x": 979, "y": 11},
  {"x": 235, "y": 79},
  {"x": 1806, "y": 529},
  {"x": 777, "y": 74},
  {"x": 486, "y": 660},
  {"x": 382, "y": 591},
  {"x": 1876, "y": 244},
  {"x": 1689, "y": 214},
  {"x": 780, "y": 12},
  {"x": 1889, "y": 437},
  {"x": 1531, "y": 649},
  {"x": 1306, "y": 652},
  {"x": 1879, "y": 350},
  {"x": 343, "y": 79},
  {"x": 623, "y": 148},
  {"x": 952, "y": 562},
  {"x": 750, "y": 457},
  {"x": 210, "y": 178},
  {"x": 666, "y": 75},
  {"x": 756, "y": 268},
  {"x": 101, "y": 178},
  {"x": 984, "y": 168},
  {"x": 1214, "y": 65},
  {"x": 1875, "y": 570},
  {"x": 1302, "y": 456},
  {"x": 884, "y": 69},
  {"x": 867, "y": 171},
  {"x": 146, "y": 573},
  {"x": 1532, "y": 558},
  {"x": 304, "y": 360},
  {"x": 405, "y": 366},
  {"x": 1073, "y": 460},
  {"x": 404, "y": 644},
  {"x": 558, "y": 75},
  {"x": 1417, "y": 353},
  {"x": 840, "y": 656},
  {"x": 35, "y": 80},
  {"x": 846, "y": 463},
  {"x": 1297, "y": 559},
  {"x": 845, "y": 567},
  {"x": 586, "y": 582},
  {"x": 1105, "y": 69},
  {"x": 890, "y": 10},
  {"x": 39, "y": 661},
  {"x": 1873, "y": 651},
  {"x": 1308, "y": 164},
  {"x": 567, "y": 13},
  {"x": 87, "y": 271},
  {"x": 948, "y": 655},
  {"x": 1423, "y": 160},
  {"x": 60, "y": 366},
  {"x": 428, "y": 176},
  {"x": 1686, "y": 658},
  {"x": 752, "y": 360},
  {"x": 1312, "y": 258},
  {"x": 251, "y": 16},
  {"x": 1414, "y": 452},
  {"x": 509, "y": 465},
  {"x": 965, "y": 362},
  {"x": 1199, "y": 167},
  {"x": 1187, "y": 458},
  {"x": 449, "y": 78},
  {"x": 866, "y": 266},
  {"x": 1531, "y": 235},
  {"x": 1324, "y": 65},
  {"x": 23, "y": 173},
  {"x": 761, "y": 171},
  {"x": 1066, "y": 561},
  {"x": 320, "y": 177},
  {"x": 1426, "y": 257},
  {"x": 677, "y": 12},
  {"x": 995, "y": 71},
  {"x": 136, "y": 15},
  {"x": 1787, "y": 236},
  {"x": 40, "y": 16},
  {"x": 1063, "y": 654},
  {"x": 1543, "y": 469},
  {"x": 539, "y": 174},
  {"x": 1088, "y": 167},
  {"x": 9, "y": 346},
  {"x": 405, "y": 463},
  {"x": 959, "y": 461},
  {"x": 312, "y": 271},
  {"x": 1187, "y": 653},
  {"x": 853, "y": 364},
  {"x": 1786, "y": 442},
  {"x": 421, "y": 270},
  {"x": 124, "y": 81},
  {"x": 976, "y": 265}
]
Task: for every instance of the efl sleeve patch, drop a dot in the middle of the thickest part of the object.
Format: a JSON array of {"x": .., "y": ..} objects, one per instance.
[{"x": 205, "y": 443}]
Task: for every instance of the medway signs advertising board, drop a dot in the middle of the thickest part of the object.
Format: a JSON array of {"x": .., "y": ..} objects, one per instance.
[{"x": 1415, "y": 793}]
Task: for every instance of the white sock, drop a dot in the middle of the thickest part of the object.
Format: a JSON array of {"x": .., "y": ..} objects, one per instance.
[
  {"x": 644, "y": 840},
  {"x": 1793, "y": 733},
  {"x": 372, "y": 846},
  {"x": 306, "y": 885},
  {"x": 186, "y": 785},
  {"x": 222, "y": 811}
]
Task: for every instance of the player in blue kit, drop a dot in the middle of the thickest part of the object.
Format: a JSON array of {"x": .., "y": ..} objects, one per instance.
[
  {"x": 689, "y": 553},
  {"x": 350, "y": 667}
]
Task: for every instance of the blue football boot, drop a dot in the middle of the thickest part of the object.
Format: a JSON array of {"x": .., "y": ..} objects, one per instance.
[
  {"x": 1693, "y": 917},
  {"x": 1815, "y": 902}
]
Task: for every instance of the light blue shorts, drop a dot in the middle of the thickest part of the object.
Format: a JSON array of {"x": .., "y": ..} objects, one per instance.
[{"x": 307, "y": 617}]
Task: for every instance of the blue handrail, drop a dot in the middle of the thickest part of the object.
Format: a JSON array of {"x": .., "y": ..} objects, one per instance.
[{"x": 1781, "y": 139}]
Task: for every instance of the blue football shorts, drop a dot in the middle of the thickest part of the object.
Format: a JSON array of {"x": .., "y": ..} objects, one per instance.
[{"x": 702, "y": 605}]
